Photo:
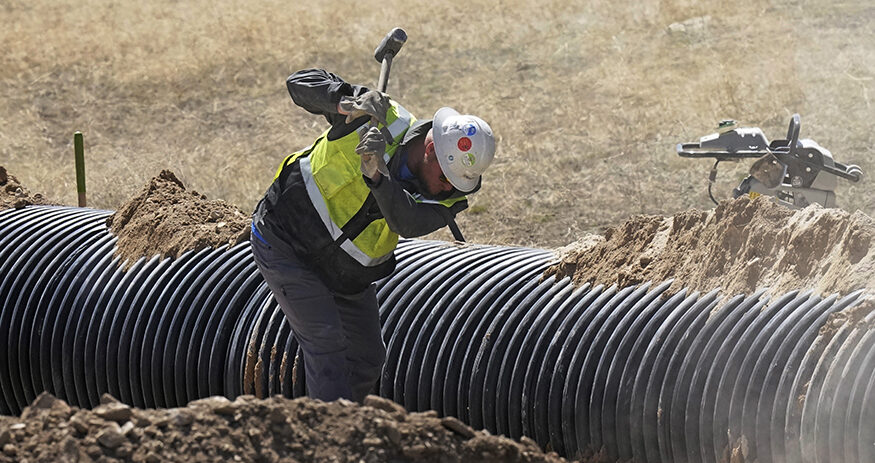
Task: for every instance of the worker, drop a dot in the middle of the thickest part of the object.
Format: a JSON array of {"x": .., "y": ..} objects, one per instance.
[{"x": 327, "y": 227}]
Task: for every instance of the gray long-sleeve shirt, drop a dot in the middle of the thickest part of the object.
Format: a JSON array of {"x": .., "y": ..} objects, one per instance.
[{"x": 319, "y": 92}]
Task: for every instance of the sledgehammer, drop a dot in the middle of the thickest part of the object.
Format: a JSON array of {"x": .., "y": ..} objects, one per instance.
[
  {"x": 388, "y": 48},
  {"x": 385, "y": 52}
]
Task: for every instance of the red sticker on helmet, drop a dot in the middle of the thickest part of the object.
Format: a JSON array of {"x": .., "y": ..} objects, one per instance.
[{"x": 464, "y": 143}]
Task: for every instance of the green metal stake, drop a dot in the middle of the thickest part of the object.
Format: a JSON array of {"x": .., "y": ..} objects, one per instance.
[{"x": 79, "y": 148}]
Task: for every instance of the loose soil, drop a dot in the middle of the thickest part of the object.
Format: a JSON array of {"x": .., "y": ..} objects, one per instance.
[
  {"x": 251, "y": 430},
  {"x": 740, "y": 246},
  {"x": 15, "y": 196},
  {"x": 165, "y": 219}
]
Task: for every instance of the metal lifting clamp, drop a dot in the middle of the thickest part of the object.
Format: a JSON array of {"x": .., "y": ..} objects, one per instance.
[{"x": 795, "y": 172}]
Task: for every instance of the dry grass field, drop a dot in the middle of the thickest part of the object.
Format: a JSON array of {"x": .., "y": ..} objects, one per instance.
[{"x": 587, "y": 98}]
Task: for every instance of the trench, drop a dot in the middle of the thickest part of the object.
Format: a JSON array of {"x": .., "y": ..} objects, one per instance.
[{"x": 471, "y": 331}]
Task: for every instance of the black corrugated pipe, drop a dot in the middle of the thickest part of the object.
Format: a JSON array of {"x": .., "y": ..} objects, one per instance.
[{"x": 471, "y": 331}]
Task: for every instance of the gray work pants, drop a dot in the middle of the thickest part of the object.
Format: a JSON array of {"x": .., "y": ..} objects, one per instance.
[{"x": 340, "y": 336}]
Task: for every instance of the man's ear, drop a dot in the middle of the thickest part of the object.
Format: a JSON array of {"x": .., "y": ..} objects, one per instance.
[{"x": 429, "y": 148}]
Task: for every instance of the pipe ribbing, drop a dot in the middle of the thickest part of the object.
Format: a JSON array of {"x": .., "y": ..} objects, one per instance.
[{"x": 471, "y": 331}]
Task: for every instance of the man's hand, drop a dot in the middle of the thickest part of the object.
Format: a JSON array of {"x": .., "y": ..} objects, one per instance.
[
  {"x": 371, "y": 149},
  {"x": 372, "y": 103}
]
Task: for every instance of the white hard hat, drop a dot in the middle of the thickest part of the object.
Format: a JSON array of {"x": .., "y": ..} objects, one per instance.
[{"x": 464, "y": 146}]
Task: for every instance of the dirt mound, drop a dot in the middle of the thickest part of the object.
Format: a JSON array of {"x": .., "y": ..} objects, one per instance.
[
  {"x": 250, "y": 429},
  {"x": 740, "y": 246},
  {"x": 13, "y": 195},
  {"x": 167, "y": 220}
]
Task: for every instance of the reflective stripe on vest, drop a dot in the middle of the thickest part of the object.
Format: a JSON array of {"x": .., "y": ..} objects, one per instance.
[
  {"x": 396, "y": 128},
  {"x": 334, "y": 185},
  {"x": 335, "y": 231}
]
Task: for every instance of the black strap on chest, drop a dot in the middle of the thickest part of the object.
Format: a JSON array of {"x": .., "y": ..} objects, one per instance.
[
  {"x": 366, "y": 214},
  {"x": 451, "y": 223}
]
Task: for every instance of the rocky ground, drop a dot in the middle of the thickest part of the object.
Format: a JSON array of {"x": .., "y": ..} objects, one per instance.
[
  {"x": 13, "y": 195},
  {"x": 166, "y": 219},
  {"x": 740, "y": 246},
  {"x": 250, "y": 430}
]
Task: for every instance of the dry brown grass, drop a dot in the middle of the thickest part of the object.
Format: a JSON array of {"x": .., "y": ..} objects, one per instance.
[{"x": 588, "y": 98}]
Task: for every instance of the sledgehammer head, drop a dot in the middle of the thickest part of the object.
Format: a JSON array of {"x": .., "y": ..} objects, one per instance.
[{"x": 391, "y": 44}]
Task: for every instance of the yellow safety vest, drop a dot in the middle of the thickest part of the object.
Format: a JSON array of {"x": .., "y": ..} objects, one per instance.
[{"x": 333, "y": 179}]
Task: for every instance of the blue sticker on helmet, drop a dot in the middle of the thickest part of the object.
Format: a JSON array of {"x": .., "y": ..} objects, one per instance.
[{"x": 470, "y": 129}]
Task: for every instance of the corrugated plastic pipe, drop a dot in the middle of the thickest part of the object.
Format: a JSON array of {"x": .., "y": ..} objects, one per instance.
[{"x": 471, "y": 331}]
